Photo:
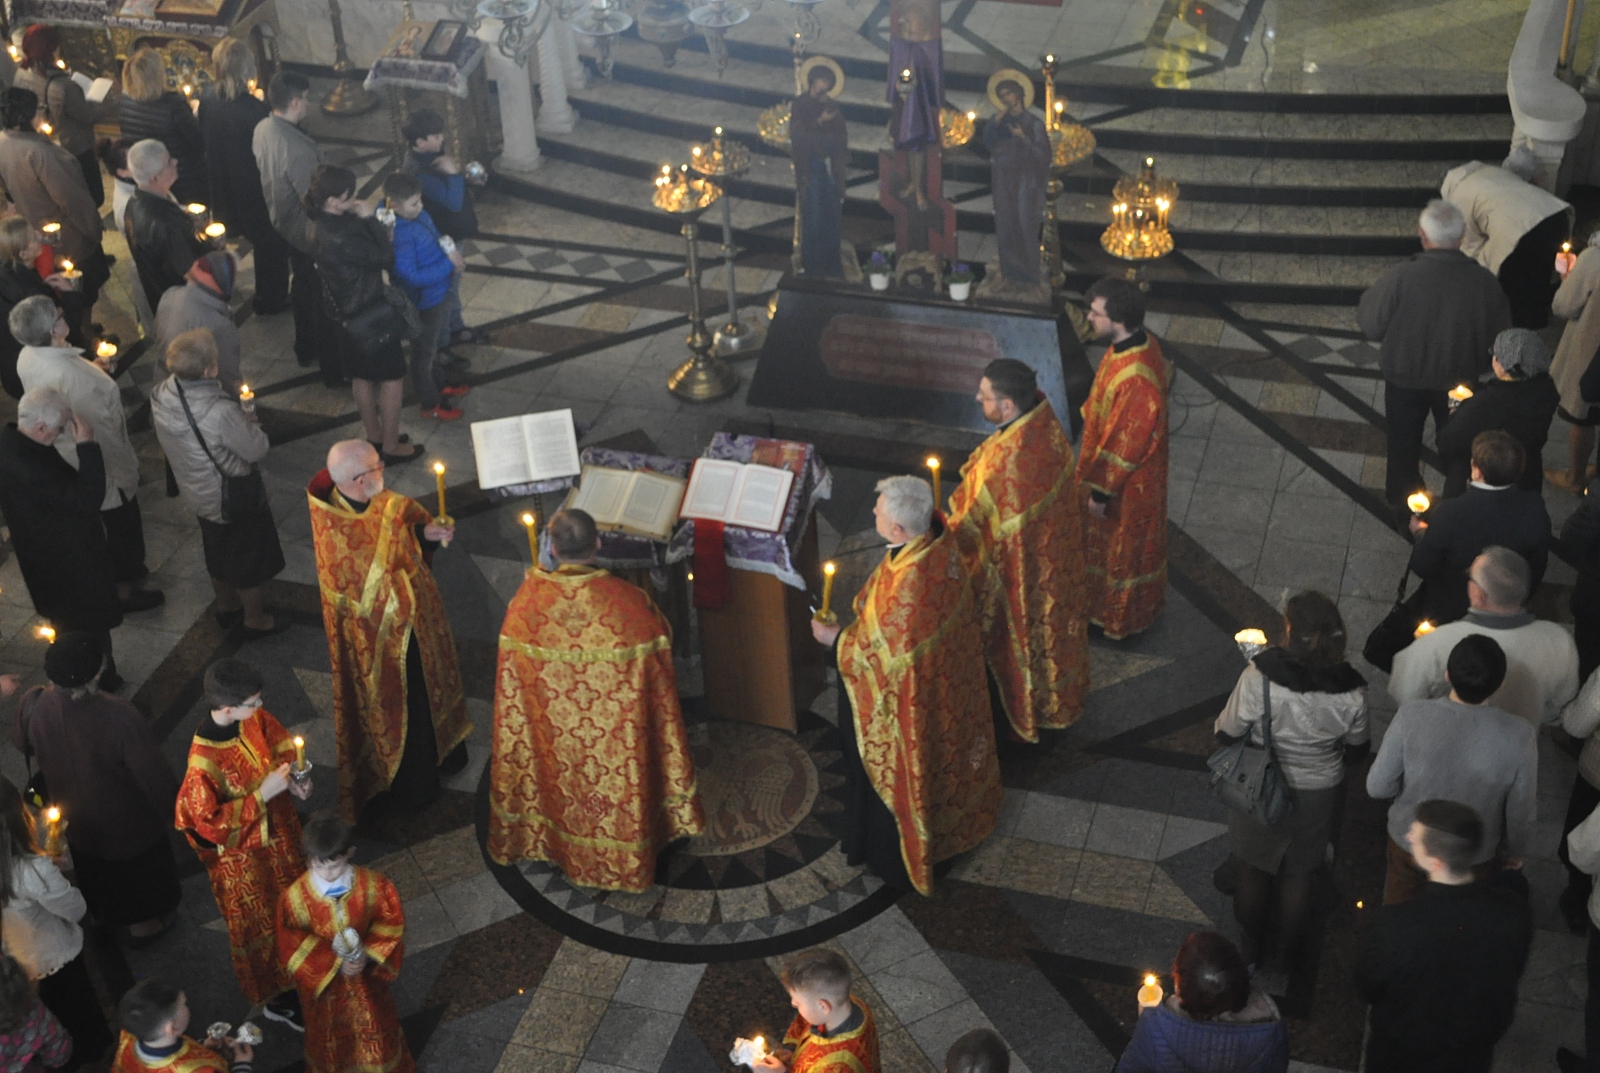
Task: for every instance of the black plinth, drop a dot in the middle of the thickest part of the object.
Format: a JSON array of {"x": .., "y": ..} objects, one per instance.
[{"x": 833, "y": 346}]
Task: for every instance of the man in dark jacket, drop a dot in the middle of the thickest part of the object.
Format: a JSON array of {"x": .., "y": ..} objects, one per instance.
[
  {"x": 161, "y": 233},
  {"x": 1521, "y": 400},
  {"x": 1493, "y": 510},
  {"x": 1437, "y": 315},
  {"x": 1580, "y": 535},
  {"x": 1441, "y": 970},
  {"x": 54, "y": 514}
]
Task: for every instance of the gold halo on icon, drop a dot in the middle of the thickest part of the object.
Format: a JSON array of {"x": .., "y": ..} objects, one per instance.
[
  {"x": 822, "y": 61},
  {"x": 1010, "y": 74}
]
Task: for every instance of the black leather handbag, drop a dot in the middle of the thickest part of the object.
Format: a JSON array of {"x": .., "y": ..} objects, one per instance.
[
  {"x": 1397, "y": 630},
  {"x": 388, "y": 320},
  {"x": 242, "y": 497}
]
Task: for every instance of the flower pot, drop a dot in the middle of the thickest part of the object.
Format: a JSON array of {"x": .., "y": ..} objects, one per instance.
[
  {"x": 879, "y": 280},
  {"x": 960, "y": 291}
]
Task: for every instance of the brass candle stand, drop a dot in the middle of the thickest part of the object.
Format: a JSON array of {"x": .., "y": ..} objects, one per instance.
[
  {"x": 1070, "y": 142},
  {"x": 1141, "y": 205},
  {"x": 723, "y": 159},
  {"x": 349, "y": 97},
  {"x": 704, "y": 376}
]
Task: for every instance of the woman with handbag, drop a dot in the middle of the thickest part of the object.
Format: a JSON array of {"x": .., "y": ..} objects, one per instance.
[
  {"x": 353, "y": 250},
  {"x": 1314, "y": 707},
  {"x": 213, "y": 447}
]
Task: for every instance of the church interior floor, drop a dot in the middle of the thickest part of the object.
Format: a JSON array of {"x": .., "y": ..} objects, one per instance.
[{"x": 1104, "y": 855}]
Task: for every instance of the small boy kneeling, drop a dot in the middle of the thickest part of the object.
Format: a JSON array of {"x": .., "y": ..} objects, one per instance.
[{"x": 832, "y": 1028}]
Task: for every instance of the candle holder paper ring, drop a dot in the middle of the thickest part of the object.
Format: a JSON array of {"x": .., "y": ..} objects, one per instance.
[{"x": 1010, "y": 74}]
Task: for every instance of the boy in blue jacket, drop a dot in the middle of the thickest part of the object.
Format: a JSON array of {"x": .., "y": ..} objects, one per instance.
[
  {"x": 449, "y": 205},
  {"x": 426, "y": 271}
]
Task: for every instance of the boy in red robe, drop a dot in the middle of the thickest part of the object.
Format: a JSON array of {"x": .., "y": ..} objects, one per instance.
[
  {"x": 340, "y": 937},
  {"x": 236, "y": 810},
  {"x": 154, "y": 1015},
  {"x": 832, "y": 1029}
]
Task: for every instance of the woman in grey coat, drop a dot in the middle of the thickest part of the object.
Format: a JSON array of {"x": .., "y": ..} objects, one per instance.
[{"x": 208, "y": 438}]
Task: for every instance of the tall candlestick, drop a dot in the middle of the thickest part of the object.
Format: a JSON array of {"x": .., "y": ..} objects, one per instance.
[
  {"x": 438, "y": 473},
  {"x": 532, "y": 525},
  {"x": 828, "y": 570},
  {"x": 933, "y": 464}
]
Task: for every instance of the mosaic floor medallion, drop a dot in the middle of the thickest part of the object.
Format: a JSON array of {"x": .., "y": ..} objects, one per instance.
[{"x": 766, "y": 877}]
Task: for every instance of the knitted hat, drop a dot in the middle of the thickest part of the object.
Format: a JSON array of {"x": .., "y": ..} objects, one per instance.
[
  {"x": 1522, "y": 352},
  {"x": 21, "y": 106},
  {"x": 74, "y": 659},
  {"x": 215, "y": 271},
  {"x": 40, "y": 42}
]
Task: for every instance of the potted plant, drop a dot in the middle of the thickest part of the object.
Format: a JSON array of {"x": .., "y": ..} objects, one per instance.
[
  {"x": 960, "y": 281},
  {"x": 880, "y": 266}
]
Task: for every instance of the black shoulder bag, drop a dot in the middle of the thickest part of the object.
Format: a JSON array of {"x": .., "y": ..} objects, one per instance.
[{"x": 242, "y": 497}]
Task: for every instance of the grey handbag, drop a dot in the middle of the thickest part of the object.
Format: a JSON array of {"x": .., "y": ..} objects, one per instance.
[{"x": 1247, "y": 778}]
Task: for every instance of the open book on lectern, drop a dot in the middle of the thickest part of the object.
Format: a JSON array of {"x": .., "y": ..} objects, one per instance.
[
  {"x": 737, "y": 493},
  {"x": 521, "y": 450},
  {"x": 635, "y": 501}
]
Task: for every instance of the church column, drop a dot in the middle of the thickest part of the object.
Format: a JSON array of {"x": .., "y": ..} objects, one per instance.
[
  {"x": 520, "y": 151},
  {"x": 555, "y": 114},
  {"x": 571, "y": 65}
]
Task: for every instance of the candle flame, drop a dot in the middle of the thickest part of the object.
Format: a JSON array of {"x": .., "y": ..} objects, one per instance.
[
  {"x": 829, "y": 569},
  {"x": 216, "y": 230},
  {"x": 1360, "y": 905},
  {"x": 245, "y": 392},
  {"x": 1150, "y": 979},
  {"x": 933, "y": 461},
  {"x": 438, "y": 467},
  {"x": 1250, "y": 637},
  {"x": 66, "y": 265},
  {"x": 52, "y": 814},
  {"x": 527, "y": 520},
  {"x": 1050, "y": 58},
  {"x": 1424, "y": 627},
  {"x": 299, "y": 742},
  {"x": 1566, "y": 247},
  {"x": 187, "y": 89},
  {"x": 61, "y": 64},
  {"x": 50, "y": 228},
  {"x": 105, "y": 349},
  {"x": 196, "y": 208},
  {"x": 15, "y": 53},
  {"x": 45, "y": 127},
  {"x": 718, "y": 132},
  {"x": 46, "y": 633},
  {"x": 1061, "y": 106},
  {"x": 1149, "y": 161},
  {"x": 1418, "y": 502},
  {"x": 972, "y": 115},
  {"x": 695, "y": 150}
]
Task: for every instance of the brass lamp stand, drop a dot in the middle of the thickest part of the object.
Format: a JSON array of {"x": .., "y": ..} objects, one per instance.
[
  {"x": 1070, "y": 142},
  {"x": 704, "y": 376},
  {"x": 723, "y": 159},
  {"x": 349, "y": 97}
]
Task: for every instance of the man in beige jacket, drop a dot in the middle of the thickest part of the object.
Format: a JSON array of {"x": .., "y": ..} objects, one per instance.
[{"x": 1514, "y": 229}]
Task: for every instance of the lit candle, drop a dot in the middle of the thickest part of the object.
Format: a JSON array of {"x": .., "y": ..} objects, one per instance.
[
  {"x": 1418, "y": 502},
  {"x": 66, "y": 268},
  {"x": 187, "y": 89},
  {"x": 47, "y": 635},
  {"x": 438, "y": 473},
  {"x": 105, "y": 348},
  {"x": 532, "y": 525},
  {"x": 45, "y": 128},
  {"x": 1250, "y": 642},
  {"x": 933, "y": 464},
  {"x": 51, "y": 231},
  {"x": 247, "y": 399},
  {"x": 299, "y": 753},
  {"x": 216, "y": 230},
  {"x": 61, "y": 64},
  {"x": 828, "y": 570},
  {"x": 195, "y": 208},
  {"x": 1423, "y": 627},
  {"x": 1460, "y": 393},
  {"x": 52, "y": 831},
  {"x": 1150, "y": 993},
  {"x": 15, "y": 53}
]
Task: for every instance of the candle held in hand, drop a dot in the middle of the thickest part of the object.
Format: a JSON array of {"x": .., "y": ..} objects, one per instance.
[
  {"x": 933, "y": 465},
  {"x": 1423, "y": 627},
  {"x": 299, "y": 751},
  {"x": 47, "y": 635},
  {"x": 1250, "y": 642},
  {"x": 438, "y": 473},
  {"x": 247, "y": 399},
  {"x": 828, "y": 570},
  {"x": 52, "y": 831},
  {"x": 1419, "y": 502},
  {"x": 1150, "y": 993},
  {"x": 1460, "y": 393},
  {"x": 532, "y": 525}
]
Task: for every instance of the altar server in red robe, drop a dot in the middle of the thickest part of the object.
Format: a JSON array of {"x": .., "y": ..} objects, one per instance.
[
  {"x": 154, "y": 1016},
  {"x": 1122, "y": 466},
  {"x": 833, "y": 1030}
]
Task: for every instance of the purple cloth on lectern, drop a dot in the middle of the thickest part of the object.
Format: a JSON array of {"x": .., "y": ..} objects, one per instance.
[{"x": 918, "y": 124}]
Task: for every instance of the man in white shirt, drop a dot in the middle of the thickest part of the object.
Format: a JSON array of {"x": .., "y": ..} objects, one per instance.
[
  {"x": 47, "y": 362},
  {"x": 1541, "y": 658}
]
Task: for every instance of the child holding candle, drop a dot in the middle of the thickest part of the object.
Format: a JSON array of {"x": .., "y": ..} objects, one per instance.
[
  {"x": 235, "y": 808},
  {"x": 341, "y": 937},
  {"x": 154, "y": 1016},
  {"x": 832, "y": 1028}
]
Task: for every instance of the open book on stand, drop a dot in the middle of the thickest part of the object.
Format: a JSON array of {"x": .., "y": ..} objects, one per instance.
[
  {"x": 635, "y": 501},
  {"x": 520, "y": 450},
  {"x": 738, "y": 494}
]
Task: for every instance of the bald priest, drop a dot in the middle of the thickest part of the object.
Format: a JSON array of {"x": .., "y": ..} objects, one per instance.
[{"x": 398, "y": 705}]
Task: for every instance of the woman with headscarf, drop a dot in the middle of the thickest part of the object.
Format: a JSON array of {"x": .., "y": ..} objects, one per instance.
[
  {"x": 70, "y": 114},
  {"x": 1520, "y": 400},
  {"x": 819, "y": 144},
  {"x": 202, "y": 302}
]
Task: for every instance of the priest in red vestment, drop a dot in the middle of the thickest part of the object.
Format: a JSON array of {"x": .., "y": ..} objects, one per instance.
[
  {"x": 398, "y": 706},
  {"x": 922, "y": 782},
  {"x": 341, "y": 938},
  {"x": 1017, "y": 518},
  {"x": 154, "y": 1017},
  {"x": 235, "y": 808},
  {"x": 591, "y": 768},
  {"x": 1122, "y": 466}
]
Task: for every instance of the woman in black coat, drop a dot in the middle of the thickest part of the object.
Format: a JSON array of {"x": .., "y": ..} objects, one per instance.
[
  {"x": 53, "y": 512},
  {"x": 1520, "y": 400},
  {"x": 229, "y": 112},
  {"x": 20, "y": 246},
  {"x": 148, "y": 109},
  {"x": 353, "y": 251}
]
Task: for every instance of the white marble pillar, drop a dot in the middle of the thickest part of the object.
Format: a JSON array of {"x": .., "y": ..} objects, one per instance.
[
  {"x": 555, "y": 114},
  {"x": 520, "y": 151},
  {"x": 571, "y": 65}
]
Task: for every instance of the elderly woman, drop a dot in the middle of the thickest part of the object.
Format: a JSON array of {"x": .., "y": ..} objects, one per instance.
[
  {"x": 150, "y": 110},
  {"x": 213, "y": 447},
  {"x": 229, "y": 113},
  {"x": 1213, "y": 1020},
  {"x": 1318, "y": 706},
  {"x": 68, "y": 110},
  {"x": 353, "y": 250},
  {"x": 53, "y": 509},
  {"x": 1521, "y": 400},
  {"x": 202, "y": 302},
  {"x": 20, "y": 246}
]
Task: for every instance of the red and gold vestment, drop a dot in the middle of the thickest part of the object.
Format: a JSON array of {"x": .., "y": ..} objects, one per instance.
[
  {"x": 912, "y": 663},
  {"x": 591, "y": 768},
  {"x": 351, "y": 1022},
  {"x": 191, "y": 1057},
  {"x": 377, "y": 592},
  {"x": 1018, "y": 518},
  {"x": 1124, "y": 455},
  {"x": 855, "y": 1051},
  {"x": 251, "y": 849}
]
